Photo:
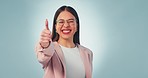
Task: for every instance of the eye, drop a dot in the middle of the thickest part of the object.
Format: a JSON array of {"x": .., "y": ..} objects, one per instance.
[
  {"x": 61, "y": 21},
  {"x": 71, "y": 21}
]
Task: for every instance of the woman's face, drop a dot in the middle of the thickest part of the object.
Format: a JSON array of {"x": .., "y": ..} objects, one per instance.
[{"x": 66, "y": 25}]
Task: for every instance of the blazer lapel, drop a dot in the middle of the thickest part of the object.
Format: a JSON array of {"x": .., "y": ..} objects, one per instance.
[
  {"x": 61, "y": 56},
  {"x": 85, "y": 59}
]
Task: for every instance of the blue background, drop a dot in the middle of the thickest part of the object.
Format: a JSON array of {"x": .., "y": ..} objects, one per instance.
[{"x": 115, "y": 30}]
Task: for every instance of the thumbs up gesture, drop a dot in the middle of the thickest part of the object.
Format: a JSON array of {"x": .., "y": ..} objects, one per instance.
[{"x": 45, "y": 36}]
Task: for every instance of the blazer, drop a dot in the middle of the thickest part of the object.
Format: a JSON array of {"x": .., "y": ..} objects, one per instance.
[{"x": 53, "y": 62}]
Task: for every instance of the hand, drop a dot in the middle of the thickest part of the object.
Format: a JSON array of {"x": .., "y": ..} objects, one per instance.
[{"x": 45, "y": 36}]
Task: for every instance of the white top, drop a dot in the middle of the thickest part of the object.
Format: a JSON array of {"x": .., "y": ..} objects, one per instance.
[{"x": 74, "y": 64}]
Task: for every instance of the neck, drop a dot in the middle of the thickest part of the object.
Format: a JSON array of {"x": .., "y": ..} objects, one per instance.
[{"x": 66, "y": 43}]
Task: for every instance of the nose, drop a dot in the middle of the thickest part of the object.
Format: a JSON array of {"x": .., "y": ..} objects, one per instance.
[{"x": 66, "y": 24}]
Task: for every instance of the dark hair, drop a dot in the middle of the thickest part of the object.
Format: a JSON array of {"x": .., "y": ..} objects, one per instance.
[{"x": 55, "y": 36}]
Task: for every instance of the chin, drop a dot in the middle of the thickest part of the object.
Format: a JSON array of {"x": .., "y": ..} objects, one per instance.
[{"x": 66, "y": 37}]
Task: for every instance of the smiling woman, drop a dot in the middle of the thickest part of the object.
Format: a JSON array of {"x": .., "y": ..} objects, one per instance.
[{"x": 60, "y": 53}]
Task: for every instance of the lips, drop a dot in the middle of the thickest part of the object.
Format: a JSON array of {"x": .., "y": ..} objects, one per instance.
[{"x": 66, "y": 31}]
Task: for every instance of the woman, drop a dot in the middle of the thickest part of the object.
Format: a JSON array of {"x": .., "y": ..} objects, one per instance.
[{"x": 60, "y": 53}]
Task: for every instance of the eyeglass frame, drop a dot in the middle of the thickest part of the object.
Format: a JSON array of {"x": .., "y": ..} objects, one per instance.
[{"x": 68, "y": 21}]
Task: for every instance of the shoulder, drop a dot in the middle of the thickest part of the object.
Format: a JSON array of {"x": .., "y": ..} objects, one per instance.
[
  {"x": 85, "y": 49},
  {"x": 55, "y": 44}
]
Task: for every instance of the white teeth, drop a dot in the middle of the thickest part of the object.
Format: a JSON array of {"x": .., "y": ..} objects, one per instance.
[{"x": 66, "y": 31}]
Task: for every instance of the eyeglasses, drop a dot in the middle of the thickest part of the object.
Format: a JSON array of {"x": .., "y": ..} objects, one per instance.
[{"x": 61, "y": 22}]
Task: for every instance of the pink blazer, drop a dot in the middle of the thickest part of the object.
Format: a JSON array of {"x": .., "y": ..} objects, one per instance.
[{"x": 53, "y": 62}]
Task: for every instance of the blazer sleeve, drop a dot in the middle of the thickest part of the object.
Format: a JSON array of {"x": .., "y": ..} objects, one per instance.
[
  {"x": 44, "y": 55},
  {"x": 91, "y": 60},
  {"x": 90, "y": 56}
]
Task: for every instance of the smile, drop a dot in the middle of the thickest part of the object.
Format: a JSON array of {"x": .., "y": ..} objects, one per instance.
[{"x": 66, "y": 31}]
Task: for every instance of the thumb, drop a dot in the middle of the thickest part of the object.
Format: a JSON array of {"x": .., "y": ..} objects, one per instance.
[{"x": 46, "y": 24}]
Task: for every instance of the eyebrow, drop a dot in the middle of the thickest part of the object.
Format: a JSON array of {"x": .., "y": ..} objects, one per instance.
[{"x": 68, "y": 19}]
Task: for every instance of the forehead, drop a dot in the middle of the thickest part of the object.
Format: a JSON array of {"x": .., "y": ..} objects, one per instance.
[{"x": 65, "y": 15}]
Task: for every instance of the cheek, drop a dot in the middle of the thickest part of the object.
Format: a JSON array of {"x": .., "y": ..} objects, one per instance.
[
  {"x": 57, "y": 29},
  {"x": 75, "y": 29}
]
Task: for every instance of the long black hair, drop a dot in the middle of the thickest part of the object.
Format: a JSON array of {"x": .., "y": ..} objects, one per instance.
[{"x": 55, "y": 36}]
